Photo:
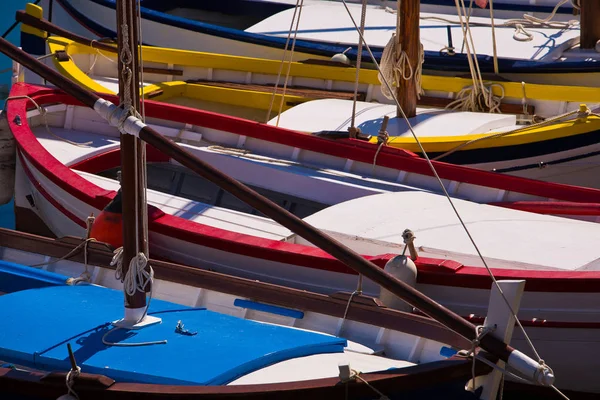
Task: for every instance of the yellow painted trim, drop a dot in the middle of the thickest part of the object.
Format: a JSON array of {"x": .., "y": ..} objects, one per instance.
[
  {"x": 430, "y": 82},
  {"x": 260, "y": 100},
  {"x": 533, "y": 135},
  {"x": 37, "y": 12},
  {"x": 72, "y": 71},
  {"x": 240, "y": 97}
]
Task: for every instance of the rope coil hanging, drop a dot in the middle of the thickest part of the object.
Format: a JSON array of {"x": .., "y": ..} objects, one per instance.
[{"x": 395, "y": 65}]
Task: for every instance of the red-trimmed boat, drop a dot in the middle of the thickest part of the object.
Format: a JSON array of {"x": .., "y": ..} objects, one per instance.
[{"x": 67, "y": 157}]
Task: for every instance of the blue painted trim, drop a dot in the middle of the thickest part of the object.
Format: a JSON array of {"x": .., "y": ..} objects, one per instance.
[
  {"x": 447, "y": 352},
  {"x": 253, "y": 305},
  {"x": 434, "y": 60},
  {"x": 17, "y": 277}
]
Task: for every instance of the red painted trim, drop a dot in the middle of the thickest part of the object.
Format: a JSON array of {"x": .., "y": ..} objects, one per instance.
[
  {"x": 553, "y": 207},
  {"x": 38, "y": 186},
  {"x": 432, "y": 271}
]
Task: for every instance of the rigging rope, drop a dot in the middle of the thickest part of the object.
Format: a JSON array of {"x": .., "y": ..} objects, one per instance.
[
  {"x": 363, "y": 14},
  {"x": 451, "y": 202},
  {"x": 285, "y": 49},
  {"x": 582, "y": 112},
  {"x": 287, "y": 75}
]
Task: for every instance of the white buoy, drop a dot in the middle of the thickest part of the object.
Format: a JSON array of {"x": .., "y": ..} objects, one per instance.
[
  {"x": 403, "y": 268},
  {"x": 342, "y": 57},
  {"x": 7, "y": 161}
]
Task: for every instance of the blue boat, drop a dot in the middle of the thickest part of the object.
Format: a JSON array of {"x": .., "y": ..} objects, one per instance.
[{"x": 248, "y": 346}]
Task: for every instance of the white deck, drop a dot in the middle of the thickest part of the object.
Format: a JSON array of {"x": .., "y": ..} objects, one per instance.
[
  {"x": 334, "y": 114},
  {"x": 374, "y": 223},
  {"x": 499, "y": 232},
  {"x": 316, "y": 23},
  {"x": 318, "y": 366}
]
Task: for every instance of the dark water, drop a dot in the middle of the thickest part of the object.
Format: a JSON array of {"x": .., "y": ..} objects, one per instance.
[{"x": 7, "y": 17}]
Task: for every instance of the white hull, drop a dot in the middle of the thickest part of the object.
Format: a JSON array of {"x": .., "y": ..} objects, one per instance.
[
  {"x": 570, "y": 352},
  {"x": 161, "y": 34}
]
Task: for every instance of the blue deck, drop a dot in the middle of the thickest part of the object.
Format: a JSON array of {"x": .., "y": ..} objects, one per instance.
[{"x": 37, "y": 324}]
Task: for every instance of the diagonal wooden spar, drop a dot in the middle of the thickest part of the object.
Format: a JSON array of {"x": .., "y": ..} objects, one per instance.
[{"x": 532, "y": 369}]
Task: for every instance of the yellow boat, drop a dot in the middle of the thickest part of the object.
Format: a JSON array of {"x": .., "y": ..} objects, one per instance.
[{"x": 542, "y": 132}]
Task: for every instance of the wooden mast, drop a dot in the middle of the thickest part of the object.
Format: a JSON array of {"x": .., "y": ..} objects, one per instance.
[
  {"x": 590, "y": 24},
  {"x": 410, "y": 41},
  {"x": 135, "y": 233}
]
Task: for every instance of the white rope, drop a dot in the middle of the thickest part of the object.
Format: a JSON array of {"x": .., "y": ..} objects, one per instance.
[
  {"x": 289, "y": 66},
  {"x": 70, "y": 381},
  {"x": 137, "y": 277},
  {"x": 395, "y": 65},
  {"x": 521, "y": 24},
  {"x": 477, "y": 97},
  {"x": 43, "y": 113},
  {"x": 354, "y": 374},
  {"x": 283, "y": 57},
  {"x": 480, "y": 332},
  {"x": 447, "y": 195},
  {"x": 363, "y": 15},
  {"x": 470, "y": 99},
  {"x": 96, "y": 54}
]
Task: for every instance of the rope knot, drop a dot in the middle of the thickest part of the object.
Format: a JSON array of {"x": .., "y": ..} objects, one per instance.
[
  {"x": 408, "y": 236},
  {"x": 354, "y": 132}
]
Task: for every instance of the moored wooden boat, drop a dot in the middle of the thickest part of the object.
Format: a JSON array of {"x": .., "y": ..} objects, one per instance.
[
  {"x": 136, "y": 309},
  {"x": 559, "y": 149},
  {"x": 537, "y": 60},
  {"x": 255, "y": 347},
  {"x": 228, "y": 354},
  {"x": 367, "y": 325},
  {"x": 199, "y": 234}
]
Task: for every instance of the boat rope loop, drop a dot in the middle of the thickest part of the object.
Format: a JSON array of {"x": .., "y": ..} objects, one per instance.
[
  {"x": 70, "y": 381},
  {"x": 482, "y": 100},
  {"x": 137, "y": 277},
  {"x": 582, "y": 112},
  {"x": 447, "y": 195},
  {"x": 355, "y": 375},
  {"x": 395, "y": 65},
  {"x": 522, "y": 35},
  {"x": 383, "y": 138},
  {"x": 85, "y": 275},
  {"x": 43, "y": 112},
  {"x": 480, "y": 332},
  {"x": 98, "y": 53},
  {"x": 477, "y": 97}
]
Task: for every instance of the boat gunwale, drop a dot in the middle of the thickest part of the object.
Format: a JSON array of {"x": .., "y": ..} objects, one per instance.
[{"x": 431, "y": 271}]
